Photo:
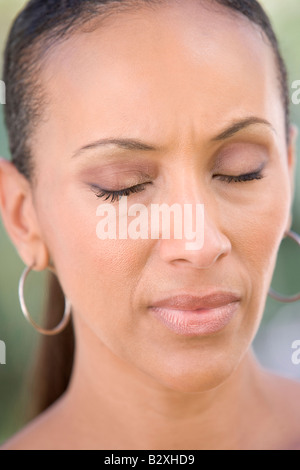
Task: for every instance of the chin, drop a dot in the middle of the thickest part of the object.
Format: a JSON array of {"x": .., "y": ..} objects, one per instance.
[{"x": 200, "y": 379}]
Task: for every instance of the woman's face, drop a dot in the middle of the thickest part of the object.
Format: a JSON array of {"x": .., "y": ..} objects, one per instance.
[{"x": 177, "y": 78}]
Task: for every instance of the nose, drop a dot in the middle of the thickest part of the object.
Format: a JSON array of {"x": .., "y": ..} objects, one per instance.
[{"x": 214, "y": 244}]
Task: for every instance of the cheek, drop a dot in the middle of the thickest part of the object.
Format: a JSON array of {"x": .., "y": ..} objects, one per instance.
[
  {"x": 98, "y": 276},
  {"x": 256, "y": 232},
  {"x": 258, "y": 228}
]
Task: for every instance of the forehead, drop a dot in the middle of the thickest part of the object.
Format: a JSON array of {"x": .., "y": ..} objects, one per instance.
[{"x": 191, "y": 66}]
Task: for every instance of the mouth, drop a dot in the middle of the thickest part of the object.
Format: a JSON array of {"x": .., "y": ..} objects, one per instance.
[{"x": 191, "y": 315}]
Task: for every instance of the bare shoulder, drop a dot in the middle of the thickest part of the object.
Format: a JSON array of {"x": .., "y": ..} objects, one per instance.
[
  {"x": 46, "y": 432},
  {"x": 57, "y": 429}
]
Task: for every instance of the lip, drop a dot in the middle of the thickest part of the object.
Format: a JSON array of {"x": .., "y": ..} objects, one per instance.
[{"x": 192, "y": 315}]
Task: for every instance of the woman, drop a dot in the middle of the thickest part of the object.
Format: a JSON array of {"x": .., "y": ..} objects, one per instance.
[{"x": 168, "y": 102}]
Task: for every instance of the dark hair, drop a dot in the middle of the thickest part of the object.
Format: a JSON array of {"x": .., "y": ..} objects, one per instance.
[{"x": 41, "y": 25}]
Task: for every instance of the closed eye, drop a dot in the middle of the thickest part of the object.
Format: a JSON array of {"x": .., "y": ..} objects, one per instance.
[
  {"x": 112, "y": 196},
  {"x": 255, "y": 175}
]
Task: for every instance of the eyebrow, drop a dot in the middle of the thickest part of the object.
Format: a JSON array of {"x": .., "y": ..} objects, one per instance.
[
  {"x": 136, "y": 144},
  {"x": 125, "y": 144},
  {"x": 238, "y": 126}
]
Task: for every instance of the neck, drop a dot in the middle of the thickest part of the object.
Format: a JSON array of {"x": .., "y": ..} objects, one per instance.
[{"x": 123, "y": 408}]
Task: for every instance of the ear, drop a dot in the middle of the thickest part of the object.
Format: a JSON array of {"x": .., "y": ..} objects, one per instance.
[
  {"x": 292, "y": 165},
  {"x": 292, "y": 153},
  {"x": 19, "y": 216}
]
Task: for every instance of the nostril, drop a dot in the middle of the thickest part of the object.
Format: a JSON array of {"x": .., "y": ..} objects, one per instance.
[{"x": 175, "y": 252}]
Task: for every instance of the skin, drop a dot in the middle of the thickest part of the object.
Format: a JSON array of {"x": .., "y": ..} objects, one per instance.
[{"x": 187, "y": 73}]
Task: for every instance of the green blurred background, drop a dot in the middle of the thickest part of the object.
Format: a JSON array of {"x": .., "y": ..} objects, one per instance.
[{"x": 281, "y": 323}]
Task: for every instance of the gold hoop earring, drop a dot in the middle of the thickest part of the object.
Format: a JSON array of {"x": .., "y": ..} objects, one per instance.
[
  {"x": 281, "y": 298},
  {"x": 67, "y": 313}
]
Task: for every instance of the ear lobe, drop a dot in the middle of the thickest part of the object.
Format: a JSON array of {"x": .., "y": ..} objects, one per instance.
[
  {"x": 18, "y": 213},
  {"x": 292, "y": 146},
  {"x": 292, "y": 155},
  {"x": 289, "y": 224},
  {"x": 291, "y": 167}
]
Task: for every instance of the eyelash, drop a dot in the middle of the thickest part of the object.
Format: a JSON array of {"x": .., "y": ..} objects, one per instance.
[
  {"x": 255, "y": 175},
  {"x": 115, "y": 196}
]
